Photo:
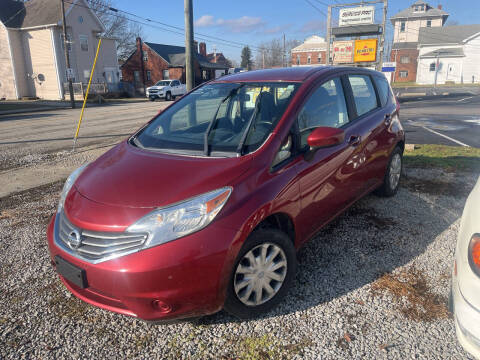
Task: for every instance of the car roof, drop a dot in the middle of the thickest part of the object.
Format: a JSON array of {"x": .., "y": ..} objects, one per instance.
[{"x": 294, "y": 74}]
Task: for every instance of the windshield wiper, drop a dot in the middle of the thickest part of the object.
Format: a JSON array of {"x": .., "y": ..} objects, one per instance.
[
  {"x": 241, "y": 144},
  {"x": 206, "y": 147}
]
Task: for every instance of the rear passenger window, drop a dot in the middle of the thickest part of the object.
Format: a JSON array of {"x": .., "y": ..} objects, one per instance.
[
  {"x": 383, "y": 89},
  {"x": 363, "y": 93},
  {"x": 325, "y": 107}
]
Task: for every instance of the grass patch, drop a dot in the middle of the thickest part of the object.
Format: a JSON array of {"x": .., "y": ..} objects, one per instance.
[
  {"x": 450, "y": 158},
  {"x": 423, "y": 304}
]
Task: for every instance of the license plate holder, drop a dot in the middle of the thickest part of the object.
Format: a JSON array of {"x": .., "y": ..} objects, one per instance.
[{"x": 70, "y": 272}]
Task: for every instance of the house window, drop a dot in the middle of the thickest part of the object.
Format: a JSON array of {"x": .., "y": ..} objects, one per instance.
[
  {"x": 319, "y": 58},
  {"x": 298, "y": 59},
  {"x": 403, "y": 73},
  {"x": 86, "y": 74},
  {"x": 149, "y": 75},
  {"x": 166, "y": 75},
  {"x": 145, "y": 56},
  {"x": 136, "y": 76},
  {"x": 83, "y": 42},
  {"x": 402, "y": 26},
  {"x": 404, "y": 60},
  {"x": 69, "y": 42},
  {"x": 432, "y": 66},
  {"x": 309, "y": 59},
  {"x": 429, "y": 23}
]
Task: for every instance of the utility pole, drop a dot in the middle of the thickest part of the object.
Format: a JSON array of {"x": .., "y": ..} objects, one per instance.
[
  {"x": 189, "y": 44},
  {"x": 382, "y": 37},
  {"x": 437, "y": 65},
  {"x": 284, "y": 54},
  {"x": 67, "y": 55},
  {"x": 329, "y": 31},
  {"x": 214, "y": 53},
  {"x": 143, "y": 67}
]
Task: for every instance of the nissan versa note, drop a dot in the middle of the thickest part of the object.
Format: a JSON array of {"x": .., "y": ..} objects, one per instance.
[{"x": 205, "y": 206}]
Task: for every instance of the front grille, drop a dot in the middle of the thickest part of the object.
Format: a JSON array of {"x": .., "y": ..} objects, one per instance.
[
  {"x": 95, "y": 246},
  {"x": 152, "y": 91}
]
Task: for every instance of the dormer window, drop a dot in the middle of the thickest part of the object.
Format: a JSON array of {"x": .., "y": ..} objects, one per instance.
[{"x": 419, "y": 8}]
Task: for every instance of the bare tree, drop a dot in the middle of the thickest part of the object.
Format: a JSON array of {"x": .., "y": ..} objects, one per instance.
[
  {"x": 117, "y": 26},
  {"x": 271, "y": 53}
]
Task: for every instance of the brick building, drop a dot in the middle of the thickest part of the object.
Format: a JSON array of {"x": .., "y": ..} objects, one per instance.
[
  {"x": 152, "y": 62},
  {"x": 219, "y": 58},
  {"x": 311, "y": 52},
  {"x": 407, "y": 24}
]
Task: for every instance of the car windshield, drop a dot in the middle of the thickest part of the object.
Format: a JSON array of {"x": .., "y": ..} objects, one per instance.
[
  {"x": 162, "y": 83},
  {"x": 219, "y": 118}
]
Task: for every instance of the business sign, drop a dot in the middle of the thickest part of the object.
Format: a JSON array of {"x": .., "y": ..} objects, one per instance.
[
  {"x": 389, "y": 66},
  {"x": 357, "y": 16},
  {"x": 343, "y": 52},
  {"x": 365, "y": 50}
]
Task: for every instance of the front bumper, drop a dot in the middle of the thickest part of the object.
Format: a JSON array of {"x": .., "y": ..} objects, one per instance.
[
  {"x": 189, "y": 274},
  {"x": 156, "y": 95},
  {"x": 467, "y": 319}
]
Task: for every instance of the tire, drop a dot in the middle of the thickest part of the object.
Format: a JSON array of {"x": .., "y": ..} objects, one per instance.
[
  {"x": 173, "y": 97},
  {"x": 152, "y": 99},
  {"x": 390, "y": 185},
  {"x": 168, "y": 96},
  {"x": 271, "y": 240}
]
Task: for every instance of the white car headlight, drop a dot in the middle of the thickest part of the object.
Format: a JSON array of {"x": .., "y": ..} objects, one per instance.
[
  {"x": 172, "y": 222},
  {"x": 68, "y": 185}
]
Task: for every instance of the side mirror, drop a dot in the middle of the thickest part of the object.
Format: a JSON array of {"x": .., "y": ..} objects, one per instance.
[{"x": 325, "y": 136}]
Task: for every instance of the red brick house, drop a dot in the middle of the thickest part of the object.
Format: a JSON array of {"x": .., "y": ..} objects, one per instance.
[
  {"x": 407, "y": 24},
  {"x": 219, "y": 58},
  {"x": 152, "y": 62},
  {"x": 311, "y": 52}
]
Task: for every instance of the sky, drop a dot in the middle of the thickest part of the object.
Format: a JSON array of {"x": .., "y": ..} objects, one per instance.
[{"x": 255, "y": 21}]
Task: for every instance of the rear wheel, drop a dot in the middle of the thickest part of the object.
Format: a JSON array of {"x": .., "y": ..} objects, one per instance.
[
  {"x": 168, "y": 96},
  {"x": 391, "y": 181},
  {"x": 262, "y": 274}
]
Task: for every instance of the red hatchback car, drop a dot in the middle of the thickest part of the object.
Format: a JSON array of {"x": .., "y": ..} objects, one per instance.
[{"x": 205, "y": 206}]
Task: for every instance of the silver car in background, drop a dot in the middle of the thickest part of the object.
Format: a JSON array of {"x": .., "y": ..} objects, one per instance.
[{"x": 465, "y": 297}]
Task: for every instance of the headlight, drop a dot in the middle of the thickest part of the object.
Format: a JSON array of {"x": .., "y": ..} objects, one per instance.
[
  {"x": 68, "y": 185},
  {"x": 170, "y": 223}
]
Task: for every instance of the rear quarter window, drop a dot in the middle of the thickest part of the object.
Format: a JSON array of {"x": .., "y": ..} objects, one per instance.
[
  {"x": 383, "y": 90},
  {"x": 363, "y": 93}
]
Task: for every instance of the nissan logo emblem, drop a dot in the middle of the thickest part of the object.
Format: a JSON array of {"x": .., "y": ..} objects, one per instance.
[{"x": 74, "y": 239}]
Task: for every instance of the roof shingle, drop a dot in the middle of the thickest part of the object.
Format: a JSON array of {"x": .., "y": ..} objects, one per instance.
[{"x": 447, "y": 34}]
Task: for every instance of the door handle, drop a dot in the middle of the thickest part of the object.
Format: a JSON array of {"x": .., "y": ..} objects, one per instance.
[
  {"x": 388, "y": 119},
  {"x": 354, "y": 140}
]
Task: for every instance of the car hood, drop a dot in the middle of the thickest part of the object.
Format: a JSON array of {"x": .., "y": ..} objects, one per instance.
[
  {"x": 133, "y": 177},
  {"x": 155, "y": 88}
]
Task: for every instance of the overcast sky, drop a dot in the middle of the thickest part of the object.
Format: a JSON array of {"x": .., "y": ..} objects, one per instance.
[{"x": 254, "y": 21}]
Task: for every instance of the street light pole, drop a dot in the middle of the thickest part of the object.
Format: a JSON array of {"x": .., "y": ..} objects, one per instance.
[
  {"x": 67, "y": 55},
  {"x": 189, "y": 69}
]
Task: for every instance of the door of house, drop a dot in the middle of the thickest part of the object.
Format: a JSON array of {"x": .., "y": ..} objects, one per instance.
[{"x": 451, "y": 72}]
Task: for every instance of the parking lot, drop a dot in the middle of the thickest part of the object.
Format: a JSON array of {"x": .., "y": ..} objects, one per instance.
[{"x": 373, "y": 284}]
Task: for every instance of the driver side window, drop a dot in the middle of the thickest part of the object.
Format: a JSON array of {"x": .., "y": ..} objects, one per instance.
[{"x": 325, "y": 107}]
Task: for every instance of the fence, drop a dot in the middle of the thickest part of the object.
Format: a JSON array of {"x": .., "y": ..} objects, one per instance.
[{"x": 79, "y": 89}]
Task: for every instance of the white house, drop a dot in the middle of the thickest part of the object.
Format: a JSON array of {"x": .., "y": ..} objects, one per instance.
[
  {"x": 32, "y": 61},
  {"x": 456, "y": 50}
]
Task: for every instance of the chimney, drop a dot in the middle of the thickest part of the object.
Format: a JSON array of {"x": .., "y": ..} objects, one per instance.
[
  {"x": 195, "y": 46},
  {"x": 139, "y": 41},
  {"x": 440, "y": 6},
  {"x": 203, "y": 49}
]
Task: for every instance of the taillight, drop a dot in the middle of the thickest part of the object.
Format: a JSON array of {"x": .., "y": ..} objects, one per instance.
[{"x": 474, "y": 253}]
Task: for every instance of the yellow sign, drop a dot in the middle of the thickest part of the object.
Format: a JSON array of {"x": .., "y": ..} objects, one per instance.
[{"x": 365, "y": 50}]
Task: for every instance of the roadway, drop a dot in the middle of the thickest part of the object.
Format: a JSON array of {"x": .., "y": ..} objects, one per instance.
[{"x": 453, "y": 120}]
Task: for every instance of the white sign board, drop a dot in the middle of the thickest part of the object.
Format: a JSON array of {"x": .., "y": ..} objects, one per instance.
[
  {"x": 357, "y": 16},
  {"x": 70, "y": 74},
  {"x": 389, "y": 66}
]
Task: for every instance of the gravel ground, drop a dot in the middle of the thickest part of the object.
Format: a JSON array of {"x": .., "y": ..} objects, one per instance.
[{"x": 373, "y": 284}]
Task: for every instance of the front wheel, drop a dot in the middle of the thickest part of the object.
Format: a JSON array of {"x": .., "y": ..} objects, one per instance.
[
  {"x": 263, "y": 272},
  {"x": 391, "y": 180},
  {"x": 168, "y": 96}
]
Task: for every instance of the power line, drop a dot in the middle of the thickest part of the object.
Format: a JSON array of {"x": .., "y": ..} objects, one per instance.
[
  {"x": 197, "y": 34},
  {"x": 316, "y": 8}
]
